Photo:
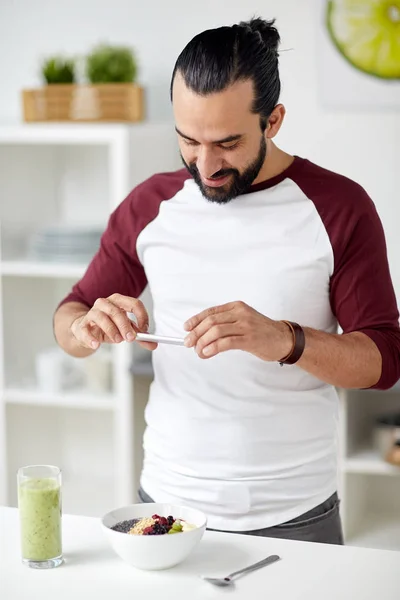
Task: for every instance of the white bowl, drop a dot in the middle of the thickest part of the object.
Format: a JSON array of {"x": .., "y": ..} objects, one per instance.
[{"x": 154, "y": 552}]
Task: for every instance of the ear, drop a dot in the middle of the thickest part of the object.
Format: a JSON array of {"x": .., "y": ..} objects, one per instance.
[{"x": 275, "y": 121}]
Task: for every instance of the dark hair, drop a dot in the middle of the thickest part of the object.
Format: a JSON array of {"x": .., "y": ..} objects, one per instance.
[{"x": 217, "y": 58}]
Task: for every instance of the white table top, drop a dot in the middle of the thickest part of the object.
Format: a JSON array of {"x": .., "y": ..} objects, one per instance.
[{"x": 307, "y": 571}]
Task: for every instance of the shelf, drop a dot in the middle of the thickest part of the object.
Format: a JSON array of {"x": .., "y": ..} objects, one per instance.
[
  {"x": 377, "y": 531},
  {"x": 369, "y": 461},
  {"x": 72, "y": 399},
  {"x": 27, "y": 268},
  {"x": 62, "y": 133}
]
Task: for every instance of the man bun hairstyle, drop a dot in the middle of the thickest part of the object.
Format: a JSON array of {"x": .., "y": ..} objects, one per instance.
[{"x": 217, "y": 58}]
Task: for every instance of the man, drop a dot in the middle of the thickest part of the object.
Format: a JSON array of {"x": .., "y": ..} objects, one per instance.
[{"x": 258, "y": 256}]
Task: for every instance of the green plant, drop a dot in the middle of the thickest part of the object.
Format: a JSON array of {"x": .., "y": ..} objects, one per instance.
[
  {"x": 111, "y": 64},
  {"x": 58, "y": 70}
]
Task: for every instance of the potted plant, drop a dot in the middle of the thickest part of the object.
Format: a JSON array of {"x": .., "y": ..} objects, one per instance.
[
  {"x": 52, "y": 102},
  {"x": 58, "y": 70},
  {"x": 111, "y": 93},
  {"x": 112, "y": 72},
  {"x": 111, "y": 64}
]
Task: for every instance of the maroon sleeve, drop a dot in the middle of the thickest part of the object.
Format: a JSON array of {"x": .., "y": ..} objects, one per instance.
[
  {"x": 116, "y": 268},
  {"x": 361, "y": 290}
]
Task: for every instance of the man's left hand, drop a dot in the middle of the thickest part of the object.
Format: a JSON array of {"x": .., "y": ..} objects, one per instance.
[{"x": 237, "y": 326}]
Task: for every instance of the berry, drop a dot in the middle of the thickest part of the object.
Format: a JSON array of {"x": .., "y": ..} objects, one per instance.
[{"x": 147, "y": 531}]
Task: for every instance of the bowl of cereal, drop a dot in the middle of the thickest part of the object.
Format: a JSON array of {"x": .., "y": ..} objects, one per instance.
[{"x": 154, "y": 536}]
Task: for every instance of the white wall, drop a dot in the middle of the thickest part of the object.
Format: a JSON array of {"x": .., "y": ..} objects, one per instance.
[{"x": 363, "y": 145}]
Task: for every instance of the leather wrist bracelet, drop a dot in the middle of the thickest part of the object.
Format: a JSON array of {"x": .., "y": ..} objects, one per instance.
[{"x": 299, "y": 342}]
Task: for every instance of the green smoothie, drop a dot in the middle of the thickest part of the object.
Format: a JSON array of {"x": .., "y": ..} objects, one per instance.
[{"x": 39, "y": 502}]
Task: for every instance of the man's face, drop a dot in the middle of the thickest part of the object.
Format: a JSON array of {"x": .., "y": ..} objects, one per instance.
[{"x": 220, "y": 139}]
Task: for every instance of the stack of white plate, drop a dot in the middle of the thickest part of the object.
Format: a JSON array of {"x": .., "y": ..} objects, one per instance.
[{"x": 65, "y": 243}]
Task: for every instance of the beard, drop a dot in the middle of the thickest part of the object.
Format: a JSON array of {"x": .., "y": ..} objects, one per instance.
[{"x": 240, "y": 183}]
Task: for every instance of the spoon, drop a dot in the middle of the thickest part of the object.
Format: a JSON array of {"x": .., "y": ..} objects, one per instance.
[{"x": 222, "y": 582}]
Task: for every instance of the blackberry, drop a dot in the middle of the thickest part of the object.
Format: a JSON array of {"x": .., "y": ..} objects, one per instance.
[{"x": 171, "y": 520}]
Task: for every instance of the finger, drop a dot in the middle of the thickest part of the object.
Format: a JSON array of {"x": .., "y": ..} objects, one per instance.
[
  {"x": 100, "y": 318},
  {"x": 124, "y": 326},
  {"x": 148, "y": 345},
  {"x": 223, "y": 345},
  {"x": 216, "y": 333},
  {"x": 194, "y": 321},
  {"x": 88, "y": 336},
  {"x": 132, "y": 305},
  {"x": 207, "y": 324}
]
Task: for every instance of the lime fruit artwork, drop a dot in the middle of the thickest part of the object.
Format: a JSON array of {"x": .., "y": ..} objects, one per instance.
[{"x": 367, "y": 34}]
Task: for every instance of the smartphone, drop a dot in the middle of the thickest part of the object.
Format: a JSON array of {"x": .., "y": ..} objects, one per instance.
[{"x": 159, "y": 339}]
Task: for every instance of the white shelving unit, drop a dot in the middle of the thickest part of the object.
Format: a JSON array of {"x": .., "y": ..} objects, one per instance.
[
  {"x": 71, "y": 174},
  {"x": 369, "y": 486}
]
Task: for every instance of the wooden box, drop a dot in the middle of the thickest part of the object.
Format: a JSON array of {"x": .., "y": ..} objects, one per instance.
[{"x": 122, "y": 102}]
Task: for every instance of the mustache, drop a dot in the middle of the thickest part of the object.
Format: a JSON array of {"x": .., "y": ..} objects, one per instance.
[{"x": 221, "y": 173}]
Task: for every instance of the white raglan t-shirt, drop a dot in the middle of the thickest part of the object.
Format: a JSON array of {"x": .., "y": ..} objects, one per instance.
[{"x": 250, "y": 443}]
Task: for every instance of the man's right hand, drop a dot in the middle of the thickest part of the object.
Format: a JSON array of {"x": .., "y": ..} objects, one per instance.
[{"x": 107, "y": 322}]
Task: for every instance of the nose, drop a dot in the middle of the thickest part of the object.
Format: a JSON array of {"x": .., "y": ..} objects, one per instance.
[{"x": 208, "y": 162}]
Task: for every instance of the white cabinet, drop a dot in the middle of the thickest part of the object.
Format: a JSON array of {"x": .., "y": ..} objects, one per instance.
[{"x": 70, "y": 175}]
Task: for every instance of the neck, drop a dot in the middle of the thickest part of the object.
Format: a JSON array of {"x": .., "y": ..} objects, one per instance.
[{"x": 275, "y": 163}]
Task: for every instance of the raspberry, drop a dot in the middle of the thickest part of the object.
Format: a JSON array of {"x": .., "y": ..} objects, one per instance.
[{"x": 147, "y": 530}]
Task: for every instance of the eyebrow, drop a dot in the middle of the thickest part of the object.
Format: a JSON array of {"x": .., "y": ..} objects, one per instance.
[{"x": 226, "y": 140}]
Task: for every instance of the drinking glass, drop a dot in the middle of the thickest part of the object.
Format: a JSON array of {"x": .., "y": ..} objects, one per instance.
[{"x": 39, "y": 503}]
